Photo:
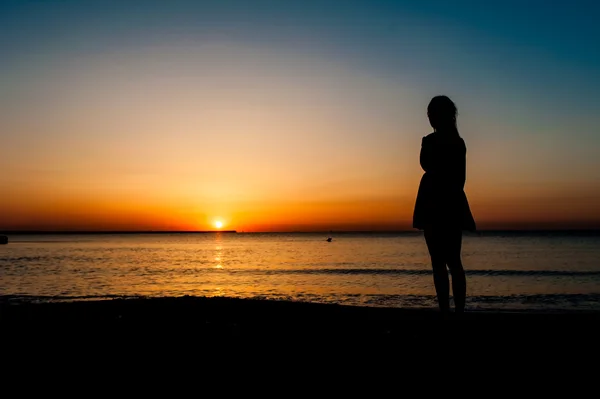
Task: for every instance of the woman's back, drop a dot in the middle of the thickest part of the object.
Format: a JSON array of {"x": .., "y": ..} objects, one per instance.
[
  {"x": 443, "y": 158},
  {"x": 441, "y": 200}
]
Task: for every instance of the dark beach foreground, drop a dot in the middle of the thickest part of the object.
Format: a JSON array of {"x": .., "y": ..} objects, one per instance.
[
  {"x": 248, "y": 317},
  {"x": 129, "y": 334}
]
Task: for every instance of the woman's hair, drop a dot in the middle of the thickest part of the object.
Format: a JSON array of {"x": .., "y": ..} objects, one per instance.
[{"x": 442, "y": 114}]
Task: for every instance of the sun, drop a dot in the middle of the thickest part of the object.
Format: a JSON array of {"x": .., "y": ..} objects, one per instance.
[{"x": 218, "y": 224}]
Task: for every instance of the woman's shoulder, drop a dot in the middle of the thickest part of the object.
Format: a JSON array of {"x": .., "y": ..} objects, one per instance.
[{"x": 429, "y": 138}]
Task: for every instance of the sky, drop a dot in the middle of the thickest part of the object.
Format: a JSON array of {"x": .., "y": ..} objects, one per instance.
[{"x": 292, "y": 115}]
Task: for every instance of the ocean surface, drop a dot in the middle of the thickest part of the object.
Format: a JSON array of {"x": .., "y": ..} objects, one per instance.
[{"x": 520, "y": 271}]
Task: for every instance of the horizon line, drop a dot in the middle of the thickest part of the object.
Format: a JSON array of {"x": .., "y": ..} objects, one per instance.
[{"x": 99, "y": 232}]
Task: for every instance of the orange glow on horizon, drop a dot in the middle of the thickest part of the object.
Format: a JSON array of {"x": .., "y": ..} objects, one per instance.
[
  {"x": 392, "y": 213},
  {"x": 263, "y": 139}
]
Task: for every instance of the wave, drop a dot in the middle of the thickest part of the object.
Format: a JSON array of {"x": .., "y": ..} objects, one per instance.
[
  {"x": 60, "y": 298},
  {"x": 402, "y": 272},
  {"x": 389, "y": 271},
  {"x": 542, "y": 302}
]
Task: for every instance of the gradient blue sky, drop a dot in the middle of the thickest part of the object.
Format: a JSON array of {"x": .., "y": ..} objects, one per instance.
[{"x": 102, "y": 102}]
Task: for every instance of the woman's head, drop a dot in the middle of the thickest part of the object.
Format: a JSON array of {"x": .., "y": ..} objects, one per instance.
[{"x": 442, "y": 114}]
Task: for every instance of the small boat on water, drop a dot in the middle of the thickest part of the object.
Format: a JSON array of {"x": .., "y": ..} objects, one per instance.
[{"x": 3, "y": 240}]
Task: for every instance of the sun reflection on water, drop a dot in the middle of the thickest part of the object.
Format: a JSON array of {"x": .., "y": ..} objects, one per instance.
[{"x": 218, "y": 252}]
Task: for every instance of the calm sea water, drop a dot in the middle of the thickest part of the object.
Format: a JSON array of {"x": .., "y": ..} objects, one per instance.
[{"x": 506, "y": 271}]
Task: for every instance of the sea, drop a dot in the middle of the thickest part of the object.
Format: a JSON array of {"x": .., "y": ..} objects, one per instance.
[{"x": 550, "y": 271}]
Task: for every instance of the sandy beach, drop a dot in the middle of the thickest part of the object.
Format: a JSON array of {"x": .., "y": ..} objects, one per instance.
[
  {"x": 244, "y": 317},
  {"x": 161, "y": 333}
]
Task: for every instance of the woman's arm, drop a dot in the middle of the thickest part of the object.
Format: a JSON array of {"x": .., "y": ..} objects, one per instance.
[
  {"x": 460, "y": 168},
  {"x": 425, "y": 157},
  {"x": 463, "y": 171}
]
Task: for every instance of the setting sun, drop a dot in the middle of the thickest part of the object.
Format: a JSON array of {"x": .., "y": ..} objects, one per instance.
[{"x": 218, "y": 224}]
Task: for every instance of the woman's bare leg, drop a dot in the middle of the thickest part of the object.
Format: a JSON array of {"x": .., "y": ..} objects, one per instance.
[
  {"x": 453, "y": 241},
  {"x": 435, "y": 245}
]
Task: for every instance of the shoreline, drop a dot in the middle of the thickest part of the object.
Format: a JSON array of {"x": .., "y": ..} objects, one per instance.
[{"x": 197, "y": 300}]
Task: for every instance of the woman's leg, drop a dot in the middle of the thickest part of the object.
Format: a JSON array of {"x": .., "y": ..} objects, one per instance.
[
  {"x": 435, "y": 245},
  {"x": 453, "y": 240}
]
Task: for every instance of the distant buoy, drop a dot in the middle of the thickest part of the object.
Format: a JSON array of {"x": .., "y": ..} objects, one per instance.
[{"x": 3, "y": 240}]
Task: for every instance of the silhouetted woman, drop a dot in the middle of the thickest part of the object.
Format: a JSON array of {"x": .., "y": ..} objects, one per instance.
[{"x": 442, "y": 210}]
